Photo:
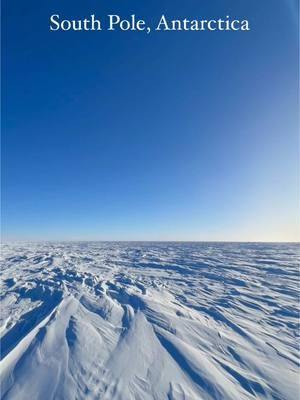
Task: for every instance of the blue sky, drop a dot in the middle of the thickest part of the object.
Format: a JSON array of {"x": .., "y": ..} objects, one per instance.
[{"x": 167, "y": 136}]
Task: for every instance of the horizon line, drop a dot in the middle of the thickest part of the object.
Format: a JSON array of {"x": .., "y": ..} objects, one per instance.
[{"x": 142, "y": 241}]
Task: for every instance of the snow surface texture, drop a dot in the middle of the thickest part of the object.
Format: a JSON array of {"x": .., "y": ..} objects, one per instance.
[{"x": 149, "y": 321}]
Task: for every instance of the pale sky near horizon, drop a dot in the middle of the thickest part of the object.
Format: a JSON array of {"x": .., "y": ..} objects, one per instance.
[{"x": 167, "y": 136}]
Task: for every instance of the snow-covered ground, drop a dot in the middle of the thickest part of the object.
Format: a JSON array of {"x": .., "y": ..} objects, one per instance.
[{"x": 146, "y": 321}]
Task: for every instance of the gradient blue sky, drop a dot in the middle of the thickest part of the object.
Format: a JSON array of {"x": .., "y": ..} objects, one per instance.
[{"x": 167, "y": 136}]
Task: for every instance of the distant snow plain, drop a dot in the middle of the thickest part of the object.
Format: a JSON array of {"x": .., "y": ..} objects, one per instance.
[{"x": 144, "y": 321}]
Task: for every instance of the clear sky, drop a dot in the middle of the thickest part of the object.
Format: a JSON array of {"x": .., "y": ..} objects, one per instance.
[{"x": 166, "y": 136}]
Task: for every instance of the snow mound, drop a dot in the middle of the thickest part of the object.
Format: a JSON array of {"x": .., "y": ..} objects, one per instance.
[{"x": 149, "y": 321}]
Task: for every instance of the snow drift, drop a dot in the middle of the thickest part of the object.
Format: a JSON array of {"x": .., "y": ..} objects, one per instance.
[{"x": 149, "y": 321}]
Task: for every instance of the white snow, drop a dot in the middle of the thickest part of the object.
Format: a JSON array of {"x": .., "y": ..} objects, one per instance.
[{"x": 146, "y": 321}]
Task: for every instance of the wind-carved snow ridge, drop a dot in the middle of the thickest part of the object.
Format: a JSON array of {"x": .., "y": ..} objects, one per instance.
[{"x": 148, "y": 321}]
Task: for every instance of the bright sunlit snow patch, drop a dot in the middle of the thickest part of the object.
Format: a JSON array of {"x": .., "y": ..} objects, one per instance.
[{"x": 149, "y": 321}]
